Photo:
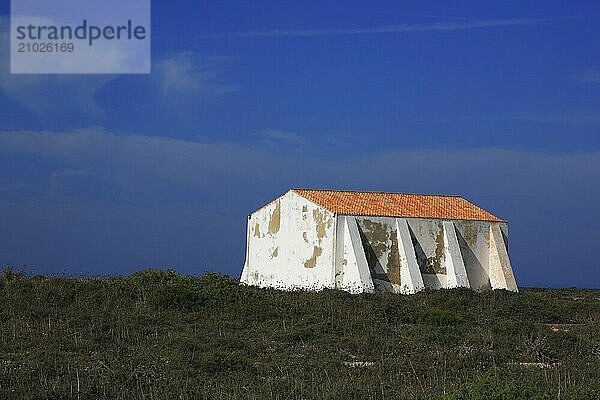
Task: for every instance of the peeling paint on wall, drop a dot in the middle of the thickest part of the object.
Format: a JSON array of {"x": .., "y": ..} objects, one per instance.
[
  {"x": 393, "y": 261},
  {"x": 256, "y": 230},
  {"x": 437, "y": 261},
  {"x": 377, "y": 237},
  {"x": 320, "y": 222},
  {"x": 428, "y": 241},
  {"x": 380, "y": 244},
  {"x": 312, "y": 262},
  {"x": 275, "y": 220},
  {"x": 471, "y": 233}
]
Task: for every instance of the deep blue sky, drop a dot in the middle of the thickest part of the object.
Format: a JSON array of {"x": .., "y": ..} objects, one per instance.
[{"x": 498, "y": 102}]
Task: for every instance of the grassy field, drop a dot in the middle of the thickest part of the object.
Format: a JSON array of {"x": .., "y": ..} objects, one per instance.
[{"x": 160, "y": 335}]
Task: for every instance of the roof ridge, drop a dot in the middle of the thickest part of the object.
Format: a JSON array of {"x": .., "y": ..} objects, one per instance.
[{"x": 378, "y": 192}]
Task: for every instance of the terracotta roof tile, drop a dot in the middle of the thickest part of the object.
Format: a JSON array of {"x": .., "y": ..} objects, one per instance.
[{"x": 396, "y": 205}]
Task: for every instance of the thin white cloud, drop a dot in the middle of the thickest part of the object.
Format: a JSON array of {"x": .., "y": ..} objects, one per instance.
[
  {"x": 138, "y": 162},
  {"x": 547, "y": 118},
  {"x": 560, "y": 118},
  {"x": 443, "y": 17},
  {"x": 181, "y": 73},
  {"x": 152, "y": 163},
  {"x": 399, "y": 28}
]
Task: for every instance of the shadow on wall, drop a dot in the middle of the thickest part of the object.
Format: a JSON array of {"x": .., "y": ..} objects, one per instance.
[
  {"x": 478, "y": 279},
  {"x": 425, "y": 265},
  {"x": 381, "y": 280},
  {"x": 430, "y": 269}
]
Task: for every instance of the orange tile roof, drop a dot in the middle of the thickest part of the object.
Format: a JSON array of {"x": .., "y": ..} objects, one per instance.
[{"x": 396, "y": 205}]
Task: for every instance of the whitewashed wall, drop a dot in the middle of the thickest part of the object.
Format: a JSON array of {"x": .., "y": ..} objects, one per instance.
[{"x": 290, "y": 245}]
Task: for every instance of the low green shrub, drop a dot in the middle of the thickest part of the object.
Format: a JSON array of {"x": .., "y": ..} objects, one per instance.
[
  {"x": 178, "y": 296},
  {"x": 9, "y": 274},
  {"x": 439, "y": 317},
  {"x": 142, "y": 284},
  {"x": 493, "y": 387}
]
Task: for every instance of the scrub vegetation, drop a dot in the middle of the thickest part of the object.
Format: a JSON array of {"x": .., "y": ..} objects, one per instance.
[{"x": 160, "y": 335}]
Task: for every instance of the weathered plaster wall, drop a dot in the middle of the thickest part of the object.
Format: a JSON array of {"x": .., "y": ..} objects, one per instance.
[
  {"x": 290, "y": 245},
  {"x": 464, "y": 247},
  {"x": 380, "y": 241},
  {"x": 295, "y": 244}
]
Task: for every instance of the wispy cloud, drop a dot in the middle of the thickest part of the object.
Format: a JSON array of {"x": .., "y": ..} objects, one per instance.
[
  {"x": 399, "y": 28},
  {"x": 141, "y": 163},
  {"x": 138, "y": 161},
  {"x": 547, "y": 118},
  {"x": 560, "y": 118},
  {"x": 183, "y": 73}
]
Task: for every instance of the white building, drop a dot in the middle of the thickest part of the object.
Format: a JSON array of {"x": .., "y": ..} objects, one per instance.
[{"x": 370, "y": 241}]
